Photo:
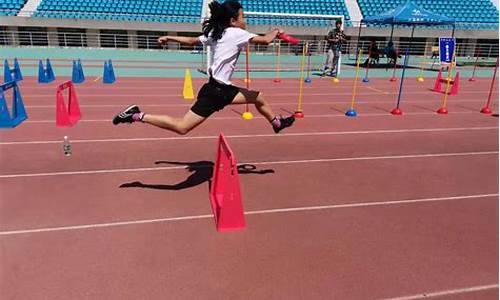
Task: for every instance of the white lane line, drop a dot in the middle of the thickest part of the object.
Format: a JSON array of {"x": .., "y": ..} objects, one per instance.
[
  {"x": 430, "y": 295},
  {"x": 256, "y": 212},
  {"x": 296, "y": 134},
  {"x": 305, "y": 161}
]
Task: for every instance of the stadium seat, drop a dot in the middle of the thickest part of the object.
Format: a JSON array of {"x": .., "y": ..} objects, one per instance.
[
  {"x": 322, "y": 7},
  {"x": 474, "y": 14},
  {"x": 186, "y": 11},
  {"x": 11, "y": 7}
]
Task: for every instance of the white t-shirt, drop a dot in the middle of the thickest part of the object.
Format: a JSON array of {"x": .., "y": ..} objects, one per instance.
[{"x": 226, "y": 52}]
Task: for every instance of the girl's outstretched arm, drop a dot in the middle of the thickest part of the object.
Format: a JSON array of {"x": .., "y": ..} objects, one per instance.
[
  {"x": 267, "y": 38},
  {"x": 190, "y": 41}
]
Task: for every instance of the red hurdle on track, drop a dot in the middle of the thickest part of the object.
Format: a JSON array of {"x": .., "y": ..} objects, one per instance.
[
  {"x": 225, "y": 193},
  {"x": 70, "y": 115},
  {"x": 487, "y": 109},
  {"x": 455, "y": 83}
]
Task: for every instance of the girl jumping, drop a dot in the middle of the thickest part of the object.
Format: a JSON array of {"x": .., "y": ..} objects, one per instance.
[{"x": 225, "y": 33}]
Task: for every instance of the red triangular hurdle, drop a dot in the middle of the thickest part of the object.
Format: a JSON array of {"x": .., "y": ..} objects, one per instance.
[
  {"x": 67, "y": 116},
  {"x": 437, "y": 84},
  {"x": 225, "y": 193},
  {"x": 455, "y": 85}
]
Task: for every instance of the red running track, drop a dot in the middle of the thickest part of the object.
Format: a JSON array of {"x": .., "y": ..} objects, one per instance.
[{"x": 375, "y": 207}]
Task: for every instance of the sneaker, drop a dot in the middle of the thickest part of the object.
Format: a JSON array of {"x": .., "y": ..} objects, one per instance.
[
  {"x": 126, "y": 115},
  {"x": 284, "y": 123}
]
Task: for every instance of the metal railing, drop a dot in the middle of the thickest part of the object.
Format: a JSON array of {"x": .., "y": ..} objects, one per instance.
[
  {"x": 149, "y": 41},
  {"x": 261, "y": 18}
]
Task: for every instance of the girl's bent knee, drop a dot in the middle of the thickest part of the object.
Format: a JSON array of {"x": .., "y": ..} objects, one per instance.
[
  {"x": 260, "y": 98},
  {"x": 182, "y": 130}
]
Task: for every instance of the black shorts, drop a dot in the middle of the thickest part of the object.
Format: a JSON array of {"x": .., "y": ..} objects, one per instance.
[{"x": 213, "y": 96}]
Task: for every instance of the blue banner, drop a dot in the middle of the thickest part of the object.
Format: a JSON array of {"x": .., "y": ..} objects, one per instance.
[{"x": 446, "y": 48}]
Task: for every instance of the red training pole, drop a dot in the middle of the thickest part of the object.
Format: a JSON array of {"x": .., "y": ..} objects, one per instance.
[{"x": 486, "y": 109}]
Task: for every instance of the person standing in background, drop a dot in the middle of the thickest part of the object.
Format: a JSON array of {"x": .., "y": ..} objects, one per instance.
[{"x": 335, "y": 39}]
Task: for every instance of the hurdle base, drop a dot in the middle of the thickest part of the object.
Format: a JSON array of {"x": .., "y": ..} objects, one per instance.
[
  {"x": 298, "y": 114},
  {"x": 472, "y": 79},
  {"x": 450, "y": 92},
  {"x": 247, "y": 116},
  {"x": 393, "y": 79},
  {"x": 486, "y": 110},
  {"x": 351, "y": 113},
  {"x": 442, "y": 111},
  {"x": 397, "y": 111}
]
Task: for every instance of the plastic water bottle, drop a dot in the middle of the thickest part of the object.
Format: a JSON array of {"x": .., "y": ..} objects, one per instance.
[{"x": 66, "y": 146}]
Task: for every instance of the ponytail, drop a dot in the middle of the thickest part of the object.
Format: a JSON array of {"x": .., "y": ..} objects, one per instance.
[{"x": 220, "y": 18}]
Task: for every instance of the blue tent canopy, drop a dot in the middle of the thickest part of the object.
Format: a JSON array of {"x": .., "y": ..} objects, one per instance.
[{"x": 409, "y": 14}]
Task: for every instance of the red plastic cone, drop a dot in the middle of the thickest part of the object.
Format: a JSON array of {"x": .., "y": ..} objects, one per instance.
[
  {"x": 455, "y": 85},
  {"x": 225, "y": 193},
  {"x": 397, "y": 112},
  {"x": 70, "y": 115},
  {"x": 442, "y": 111},
  {"x": 437, "y": 84}
]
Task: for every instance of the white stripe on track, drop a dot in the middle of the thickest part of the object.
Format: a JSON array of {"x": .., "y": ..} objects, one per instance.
[
  {"x": 365, "y": 158},
  {"x": 239, "y": 136},
  {"x": 256, "y": 212},
  {"x": 430, "y": 295}
]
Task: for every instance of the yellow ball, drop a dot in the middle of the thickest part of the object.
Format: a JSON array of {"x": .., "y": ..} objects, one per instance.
[
  {"x": 247, "y": 115},
  {"x": 336, "y": 80},
  {"x": 420, "y": 79}
]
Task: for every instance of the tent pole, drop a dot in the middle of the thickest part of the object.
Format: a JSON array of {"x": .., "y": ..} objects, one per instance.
[
  {"x": 407, "y": 56},
  {"x": 359, "y": 37},
  {"x": 411, "y": 37}
]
